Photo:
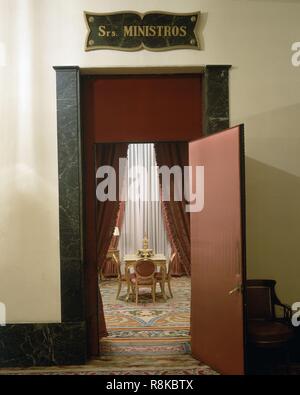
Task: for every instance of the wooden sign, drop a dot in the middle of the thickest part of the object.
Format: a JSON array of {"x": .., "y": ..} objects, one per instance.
[{"x": 132, "y": 31}]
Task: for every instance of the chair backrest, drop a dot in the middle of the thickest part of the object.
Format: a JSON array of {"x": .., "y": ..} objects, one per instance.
[
  {"x": 171, "y": 263},
  {"x": 261, "y": 299},
  {"x": 117, "y": 263},
  {"x": 145, "y": 268}
]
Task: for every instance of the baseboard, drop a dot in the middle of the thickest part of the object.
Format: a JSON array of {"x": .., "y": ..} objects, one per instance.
[{"x": 32, "y": 345}]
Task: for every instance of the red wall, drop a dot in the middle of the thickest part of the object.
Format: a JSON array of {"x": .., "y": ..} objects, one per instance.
[{"x": 142, "y": 108}]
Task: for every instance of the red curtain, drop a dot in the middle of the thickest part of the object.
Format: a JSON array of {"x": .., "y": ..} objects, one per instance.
[
  {"x": 107, "y": 212},
  {"x": 176, "y": 218}
]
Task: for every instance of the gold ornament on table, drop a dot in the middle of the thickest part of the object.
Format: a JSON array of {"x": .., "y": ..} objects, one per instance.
[{"x": 145, "y": 252}]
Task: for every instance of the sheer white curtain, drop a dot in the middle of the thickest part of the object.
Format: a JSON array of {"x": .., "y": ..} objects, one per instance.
[{"x": 143, "y": 209}]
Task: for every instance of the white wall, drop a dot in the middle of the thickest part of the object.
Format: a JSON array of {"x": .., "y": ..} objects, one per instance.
[{"x": 255, "y": 36}]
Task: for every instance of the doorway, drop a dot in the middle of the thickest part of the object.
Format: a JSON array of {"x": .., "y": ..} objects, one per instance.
[
  {"x": 161, "y": 108},
  {"x": 143, "y": 329},
  {"x": 212, "y": 115}
]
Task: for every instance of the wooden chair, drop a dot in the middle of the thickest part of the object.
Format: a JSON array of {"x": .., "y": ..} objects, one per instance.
[
  {"x": 117, "y": 264},
  {"x": 168, "y": 276},
  {"x": 144, "y": 276},
  {"x": 265, "y": 329},
  {"x": 108, "y": 268}
]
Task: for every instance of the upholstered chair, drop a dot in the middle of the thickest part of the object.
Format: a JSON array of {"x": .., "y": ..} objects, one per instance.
[
  {"x": 159, "y": 276},
  {"x": 144, "y": 277}
]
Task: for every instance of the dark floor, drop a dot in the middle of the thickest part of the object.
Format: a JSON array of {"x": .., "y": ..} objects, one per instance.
[{"x": 273, "y": 362}]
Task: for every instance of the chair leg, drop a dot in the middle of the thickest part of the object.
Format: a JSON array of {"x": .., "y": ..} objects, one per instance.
[
  {"x": 163, "y": 290},
  {"x": 153, "y": 292},
  {"x": 170, "y": 290},
  {"x": 161, "y": 286},
  {"x": 131, "y": 291},
  {"x": 101, "y": 275},
  {"x": 137, "y": 294},
  {"x": 119, "y": 289}
]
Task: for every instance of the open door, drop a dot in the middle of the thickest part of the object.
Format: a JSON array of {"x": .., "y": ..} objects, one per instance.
[{"x": 218, "y": 254}]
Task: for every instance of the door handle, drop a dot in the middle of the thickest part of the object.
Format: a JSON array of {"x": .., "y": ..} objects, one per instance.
[{"x": 236, "y": 289}]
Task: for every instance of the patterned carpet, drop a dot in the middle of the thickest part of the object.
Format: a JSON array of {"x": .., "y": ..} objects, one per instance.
[{"x": 161, "y": 328}]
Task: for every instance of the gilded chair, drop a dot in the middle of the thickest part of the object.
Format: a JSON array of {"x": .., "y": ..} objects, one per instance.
[
  {"x": 117, "y": 264},
  {"x": 266, "y": 329},
  {"x": 159, "y": 276},
  {"x": 144, "y": 277}
]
